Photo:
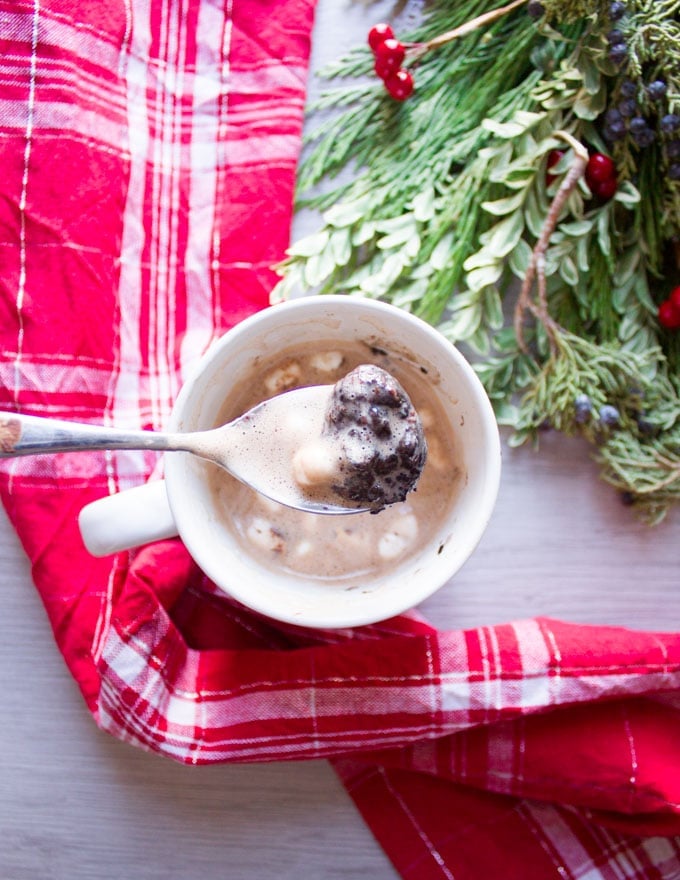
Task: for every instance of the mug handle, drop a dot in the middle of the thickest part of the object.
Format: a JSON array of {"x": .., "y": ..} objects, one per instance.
[{"x": 127, "y": 519}]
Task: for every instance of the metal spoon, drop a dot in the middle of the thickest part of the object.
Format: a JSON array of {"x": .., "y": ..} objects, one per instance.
[{"x": 248, "y": 447}]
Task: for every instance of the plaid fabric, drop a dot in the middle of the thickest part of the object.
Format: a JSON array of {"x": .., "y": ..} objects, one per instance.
[{"x": 148, "y": 152}]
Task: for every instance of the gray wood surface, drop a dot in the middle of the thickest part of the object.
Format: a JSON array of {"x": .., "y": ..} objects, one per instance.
[{"x": 75, "y": 803}]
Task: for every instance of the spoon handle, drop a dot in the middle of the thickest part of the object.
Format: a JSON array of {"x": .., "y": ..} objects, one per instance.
[{"x": 28, "y": 435}]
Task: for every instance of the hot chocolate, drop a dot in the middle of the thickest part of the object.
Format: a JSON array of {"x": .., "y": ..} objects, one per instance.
[{"x": 346, "y": 546}]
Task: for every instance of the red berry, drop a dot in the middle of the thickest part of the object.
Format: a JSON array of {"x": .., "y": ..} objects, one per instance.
[
  {"x": 384, "y": 71},
  {"x": 599, "y": 169},
  {"x": 400, "y": 85},
  {"x": 669, "y": 315},
  {"x": 389, "y": 55},
  {"x": 554, "y": 157},
  {"x": 604, "y": 189},
  {"x": 674, "y": 298},
  {"x": 378, "y": 34}
]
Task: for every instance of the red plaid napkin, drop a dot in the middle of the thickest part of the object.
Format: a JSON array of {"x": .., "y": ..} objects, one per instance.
[{"x": 148, "y": 153}]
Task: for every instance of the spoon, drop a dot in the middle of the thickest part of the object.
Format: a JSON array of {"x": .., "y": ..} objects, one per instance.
[{"x": 255, "y": 448}]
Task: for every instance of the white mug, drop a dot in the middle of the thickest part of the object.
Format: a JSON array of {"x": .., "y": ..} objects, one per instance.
[{"x": 183, "y": 504}]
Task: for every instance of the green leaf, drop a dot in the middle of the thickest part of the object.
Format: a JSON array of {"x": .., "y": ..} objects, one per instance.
[
  {"x": 463, "y": 323},
  {"x": 398, "y": 238},
  {"x": 583, "y": 254},
  {"x": 379, "y": 284},
  {"x": 533, "y": 214},
  {"x": 310, "y": 245},
  {"x": 591, "y": 74},
  {"x": 520, "y": 258},
  {"x": 621, "y": 299},
  {"x": 396, "y": 224},
  {"x": 507, "y": 414},
  {"x": 504, "y": 130},
  {"x": 576, "y": 228},
  {"x": 590, "y": 106},
  {"x": 412, "y": 247},
  {"x": 506, "y": 205},
  {"x": 441, "y": 252},
  {"x": 568, "y": 271},
  {"x": 423, "y": 205},
  {"x": 627, "y": 195},
  {"x": 603, "y": 235},
  {"x": 643, "y": 294},
  {"x": 364, "y": 233},
  {"x": 627, "y": 266},
  {"x": 479, "y": 341},
  {"x": 628, "y": 326},
  {"x": 340, "y": 245},
  {"x": 519, "y": 438},
  {"x": 519, "y": 177},
  {"x": 480, "y": 258},
  {"x": 493, "y": 307},
  {"x": 484, "y": 276},
  {"x": 318, "y": 268},
  {"x": 503, "y": 237},
  {"x": 346, "y": 213}
]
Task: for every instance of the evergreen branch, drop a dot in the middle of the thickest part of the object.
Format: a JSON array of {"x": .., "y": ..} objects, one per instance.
[{"x": 451, "y": 198}]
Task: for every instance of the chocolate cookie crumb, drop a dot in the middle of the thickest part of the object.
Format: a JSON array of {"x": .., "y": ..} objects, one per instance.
[{"x": 383, "y": 443}]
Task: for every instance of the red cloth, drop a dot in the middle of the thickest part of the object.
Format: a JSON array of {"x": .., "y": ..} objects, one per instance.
[{"x": 148, "y": 153}]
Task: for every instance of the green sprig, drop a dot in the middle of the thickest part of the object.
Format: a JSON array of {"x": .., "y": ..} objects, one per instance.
[{"x": 447, "y": 197}]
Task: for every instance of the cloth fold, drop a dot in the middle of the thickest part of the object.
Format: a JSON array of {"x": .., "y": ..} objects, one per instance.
[{"x": 149, "y": 154}]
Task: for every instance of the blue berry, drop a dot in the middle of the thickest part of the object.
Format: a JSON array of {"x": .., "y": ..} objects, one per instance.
[
  {"x": 674, "y": 171},
  {"x": 616, "y": 11},
  {"x": 670, "y": 123},
  {"x": 535, "y": 9},
  {"x": 642, "y": 134},
  {"x": 657, "y": 90},
  {"x": 628, "y": 107},
  {"x": 618, "y": 54},
  {"x": 628, "y": 88},
  {"x": 645, "y": 427},
  {"x": 609, "y": 415},
  {"x": 582, "y": 408},
  {"x": 615, "y": 38},
  {"x": 644, "y": 138},
  {"x": 615, "y": 131},
  {"x": 614, "y": 125},
  {"x": 673, "y": 149}
]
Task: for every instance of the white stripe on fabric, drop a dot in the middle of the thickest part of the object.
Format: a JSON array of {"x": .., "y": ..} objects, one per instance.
[
  {"x": 37, "y": 375},
  {"x": 559, "y": 842},
  {"x": 662, "y": 853},
  {"x": 223, "y": 109},
  {"x": 81, "y": 40},
  {"x": 62, "y": 118},
  {"x": 535, "y": 690},
  {"x": 210, "y": 83},
  {"x": 124, "y": 406}
]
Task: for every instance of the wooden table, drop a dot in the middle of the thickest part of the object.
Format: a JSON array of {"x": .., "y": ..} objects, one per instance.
[{"x": 76, "y": 804}]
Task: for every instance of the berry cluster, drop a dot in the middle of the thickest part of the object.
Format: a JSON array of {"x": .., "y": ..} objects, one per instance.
[
  {"x": 669, "y": 310},
  {"x": 601, "y": 176},
  {"x": 644, "y": 123},
  {"x": 600, "y": 173},
  {"x": 608, "y": 416},
  {"x": 640, "y": 112},
  {"x": 389, "y": 54}
]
